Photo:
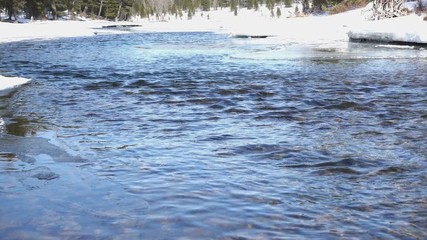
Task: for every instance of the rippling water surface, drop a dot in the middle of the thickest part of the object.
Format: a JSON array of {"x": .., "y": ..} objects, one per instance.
[{"x": 202, "y": 136}]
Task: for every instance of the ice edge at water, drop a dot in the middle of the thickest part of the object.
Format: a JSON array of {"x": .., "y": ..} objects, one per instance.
[{"x": 9, "y": 83}]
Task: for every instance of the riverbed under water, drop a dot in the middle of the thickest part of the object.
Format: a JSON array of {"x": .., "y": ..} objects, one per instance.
[{"x": 203, "y": 136}]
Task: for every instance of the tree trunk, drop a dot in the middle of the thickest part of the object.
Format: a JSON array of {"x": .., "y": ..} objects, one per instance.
[
  {"x": 100, "y": 8},
  {"x": 305, "y": 6},
  {"x": 9, "y": 8},
  {"x": 54, "y": 14},
  {"x": 118, "y": 12}
]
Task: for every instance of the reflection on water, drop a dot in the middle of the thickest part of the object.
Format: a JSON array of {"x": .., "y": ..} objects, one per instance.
[
  {"x": 19, "y": 127},
  {"x": 202, "y": 136}
]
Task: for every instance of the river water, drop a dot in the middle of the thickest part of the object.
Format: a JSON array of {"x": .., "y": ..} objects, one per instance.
[{"x": 203, "y": 136}]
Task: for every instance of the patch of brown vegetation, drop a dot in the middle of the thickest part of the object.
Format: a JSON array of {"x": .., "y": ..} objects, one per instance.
[{"x": 348, "y": 5}]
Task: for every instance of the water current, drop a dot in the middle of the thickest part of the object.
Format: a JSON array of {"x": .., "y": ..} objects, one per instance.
[{"x": 203, "y": 136}]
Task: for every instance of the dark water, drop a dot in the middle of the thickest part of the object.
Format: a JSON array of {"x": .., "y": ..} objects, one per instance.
[{"x": 201, "y": 136}]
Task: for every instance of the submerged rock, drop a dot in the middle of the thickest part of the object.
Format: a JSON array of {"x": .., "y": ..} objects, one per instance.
[
  {"x": 7, "y": 156},
  {"x": 45, "y": 176}
]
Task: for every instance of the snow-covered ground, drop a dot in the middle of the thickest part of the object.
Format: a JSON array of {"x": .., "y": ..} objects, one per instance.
[
  {"x": 409, "y": 29},
  {"x": 42, "y": 30},
  {"x": 248, "y": 22},
  {"x": 320, "y": 30},
  {"x": 312, "y": 29}
]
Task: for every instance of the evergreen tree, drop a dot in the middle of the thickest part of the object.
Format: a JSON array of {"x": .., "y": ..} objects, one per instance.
[
  {"x": 256, "y": 6},
  {"x": 251, "y": 4},
  {"x": 270, "y": 5},
  {"x": 141, "y": 8},
  {"x": 206, "y": 5},
  {"x": 234, "y": 6},
  {"x": 51, "y": 7},
  {"x": 34, "y": 9},
  {"x": 111, "y": 8},
  {"x": 13, "y": 7},
  {"x": 297, "y": 10},
  {"x": 278, "y": 12},
  {"x": 305, "y": 6},
  {"x": 318, "y": 4},
  {"x": 123, "y": 9}
]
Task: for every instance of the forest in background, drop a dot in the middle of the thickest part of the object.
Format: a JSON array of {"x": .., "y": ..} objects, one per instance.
[{"x": 124, "y": 9}]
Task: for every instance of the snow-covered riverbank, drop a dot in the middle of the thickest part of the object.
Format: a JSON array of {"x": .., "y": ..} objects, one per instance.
[
  {"x": 39, "y": 30},
  {"x": 43, "y": 30},
  {"x": 313, "y": 29},
  {"x": 320, "y": 30},
  {"x": 409, "y": 29}
]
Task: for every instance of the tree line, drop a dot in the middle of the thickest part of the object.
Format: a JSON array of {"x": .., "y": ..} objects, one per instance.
[{"x": 124, "y": 9}]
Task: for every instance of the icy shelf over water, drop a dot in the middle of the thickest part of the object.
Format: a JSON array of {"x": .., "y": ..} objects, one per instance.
[
  {"x": 409, "y": 29},
  {"x": 7, "y": 84}
]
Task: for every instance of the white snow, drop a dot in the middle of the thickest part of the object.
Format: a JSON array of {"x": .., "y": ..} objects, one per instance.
[
  {"x": 287, "y": 28},
  {"x": 411, "y": 29},
  {"x": 307, "y": 30},
  {"x": 408, "y": 29},
  {"x": 42, "y": 30}
]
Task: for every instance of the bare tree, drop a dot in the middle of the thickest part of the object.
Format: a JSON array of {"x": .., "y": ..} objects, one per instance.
[{"x": 387, "y": 9}]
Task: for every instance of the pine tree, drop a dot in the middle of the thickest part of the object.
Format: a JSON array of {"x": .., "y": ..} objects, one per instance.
[
  {"x": 13, "y": 7},
  {"x": 251, "y": 4},
  {"x": 234, "y": 6},
  {"x": 206, "y": 5},
  {"x": 111, "y": 8},
  {"x": 278, "y": 12},
  {"x": 305, "y": 6},
  {"x": 297, "y": 13},
  {"x": 34, "y": 9},
  {"x": 317, "y": 4},
  {"x": 270, "y": 5},
  {"x": 256, "y": 5}
]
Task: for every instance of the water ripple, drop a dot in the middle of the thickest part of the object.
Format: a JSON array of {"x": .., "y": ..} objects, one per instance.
[{"x": 198, "y": 135}]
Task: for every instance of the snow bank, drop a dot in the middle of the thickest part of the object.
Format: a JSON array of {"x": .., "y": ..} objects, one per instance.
[
  {"x": 248, "y": 22},
  {"x": 311, "y": 30},
  {"x": 43, "y": 30},
  {"x": 409, "y": 29},
  {"x": 8, "y": 84}
]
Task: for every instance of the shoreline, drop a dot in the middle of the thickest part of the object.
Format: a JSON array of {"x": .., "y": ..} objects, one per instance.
[
  {"x": 247, "y": 22},
  {"x": 287, "y": 28},
  {"x": 47, "y": 30},
  {"x": 324, "y": 31}
]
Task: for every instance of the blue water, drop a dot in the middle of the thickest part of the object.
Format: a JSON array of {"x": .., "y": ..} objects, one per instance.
[{"x": 202, "y": 136}]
